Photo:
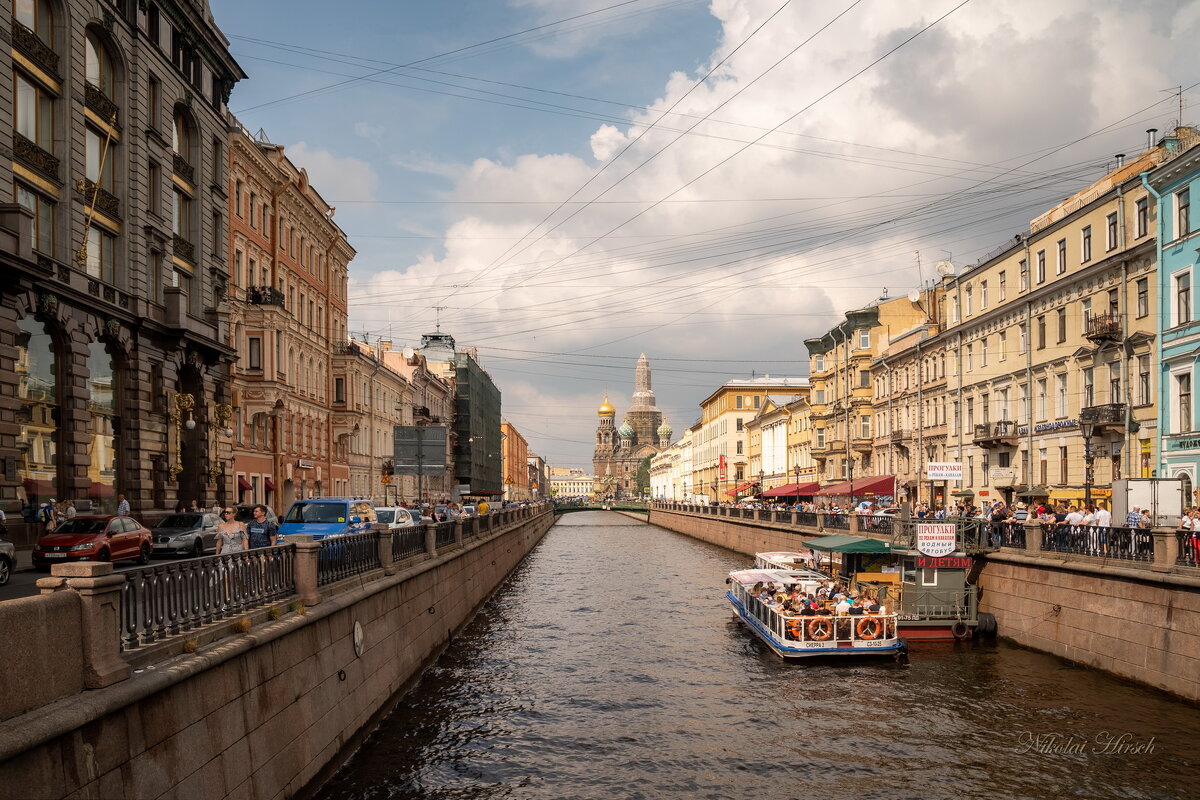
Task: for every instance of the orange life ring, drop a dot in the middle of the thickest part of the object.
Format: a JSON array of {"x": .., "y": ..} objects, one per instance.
[
  {"x": 820, "y": 629},
  {"x": 869, "y": 622}
]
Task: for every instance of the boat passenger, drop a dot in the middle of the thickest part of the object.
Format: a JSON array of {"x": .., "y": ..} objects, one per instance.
[
  {"x": 856, "y": 608},
  {"x": 843, "y": 605}
]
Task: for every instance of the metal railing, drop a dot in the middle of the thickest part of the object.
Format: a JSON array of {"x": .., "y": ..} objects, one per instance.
[
  {"x": 1189, "y": 549},
  {"x": 165, "y": 600},
  {"x": 1013, "y": 536},
  {"x": 1127, "y": 544},
  {"x": 876, "y": 523},
  {"x": 939, "y": 603},
  {"x": 342, "y": 556},
  {"x": 1108, "y": 413},
  {"x": 806, "y": 518},
  {"x": 837, "y": 522},
  {"x": 408, "y": 542},
  {"x": 443, "y": 534}
]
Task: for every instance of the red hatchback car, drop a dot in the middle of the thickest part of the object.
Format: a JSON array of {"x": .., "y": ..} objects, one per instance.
[{"x": 94, "y": 538}]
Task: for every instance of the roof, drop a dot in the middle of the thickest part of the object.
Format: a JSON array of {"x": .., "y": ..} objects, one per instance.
[{"x": 846, "y": 543}]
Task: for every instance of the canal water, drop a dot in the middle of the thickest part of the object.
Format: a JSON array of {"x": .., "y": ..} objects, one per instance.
[{"x": 610, "y": 666}]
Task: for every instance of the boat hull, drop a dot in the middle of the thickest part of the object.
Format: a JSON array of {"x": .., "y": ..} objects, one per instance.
[{"x": 803, "y": 650}]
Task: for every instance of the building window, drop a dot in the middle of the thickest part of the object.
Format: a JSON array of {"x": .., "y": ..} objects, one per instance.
[
  {"x": 1041, "y": 266},
  {"x": 181, "y": 214},
  {"x": 98, "y": 158},
  {"x": 1144, "y": 380},
  {"x": 864, "y": 339},
  {"x": 36, "y": 431},
  {"x": 339, "y": 390},
  {"x": 970, "y": 357},
  {"x": 1003, "y": 354},
  {"x": 819, "y": 396},
  {"x": 820, "y": 437},
  {"x": 181, "y": 136},
  {"x": 43, "y": 217},
  {"x": 1041, "y": 332},
  {"x": 254, "y": 353},
  {"x": 1143, "y": 217},
  {"x": 739, "y": 447},
  {"x": 864, "y": 379},
  {"x": 1061, "y": 318},
  {"x": 970, "y": 293},
  {"x": 1110, "y": 232},
  {"x": 983, "y": 295},
  {"x": 1043, "y": 477},
  {"x": 819, "y": 363},
  {"x": 757, "y": 401},
  {"x": 1023, "y": 276},
  {"x": 153, "y": 101},
  {"x": 98, "y": 65},
  {"x": 1184, "y": 201},
  {"x": 1003, "y": 288},
  {"x": 34, "y": 112},
  {"x": 1114, "y": 382},
  {"x": 1085, "y": 245},
  {"x": 237, "y": 199},
  {"x": 1023, "y": 332},
  {"x": 983, "y": 352},
  {"x": 1060, "y": 395},
  {"x": 740, "y": 425},
  {"x": 1143, "y": 297},
  {"x": 35, "y": 15},
  {"x": 737, "y": 401},
  {"x": 1063, "y": 465},
  {"x": 1183, "y": 298},
  {"x": 1041, "y": 398},
  {"x": 1087, "y": 314},
  {"x": 1183, "y": 388},
  {"x": 154, "y": 190},
  {"x": 864, "y": 425},
  {"x": 101, "y": 254},
  {"x": 253, "y": 204},
  {"x": 1089, "y": 387}
]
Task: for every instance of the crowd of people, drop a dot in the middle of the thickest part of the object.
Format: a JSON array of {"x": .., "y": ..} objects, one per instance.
[{"x": 830, "y": 599}]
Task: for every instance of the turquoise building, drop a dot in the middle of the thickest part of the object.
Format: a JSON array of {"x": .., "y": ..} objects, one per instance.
[{"x": 1174, "y": 182}]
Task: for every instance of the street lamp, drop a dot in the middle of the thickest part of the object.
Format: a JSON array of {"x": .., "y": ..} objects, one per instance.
[
  {"x": 761, "y": 477},
  {"x": 1087, "y": 428}
]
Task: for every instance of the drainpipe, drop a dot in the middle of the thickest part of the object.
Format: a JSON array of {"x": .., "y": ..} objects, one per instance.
[
  {"x": 1028, "y": 375},
  {"x": 920, "y": 454},
  {"x": 1162, "y": 316},
  {"x": 891, "y": 418}
]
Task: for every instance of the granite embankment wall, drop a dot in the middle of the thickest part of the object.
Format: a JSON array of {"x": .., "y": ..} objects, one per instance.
[
  {"x": 1137, "y": 621},
  {"x": 263, "y": 714}
]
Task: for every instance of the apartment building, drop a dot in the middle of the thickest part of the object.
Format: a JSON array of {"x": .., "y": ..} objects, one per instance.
[
  {"x": 720, "y": 452},
  {"x": 780, "y": 441},
  {"x": 1051, "y": 339},
  {"x": 514, "y": 463}
]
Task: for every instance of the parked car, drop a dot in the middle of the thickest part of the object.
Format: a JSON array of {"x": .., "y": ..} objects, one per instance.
[
  {"x": 245, "y": 513},
  {"x": 190, "y": 533},
  {"x": 418, "y": 516},
  {"x": 394, "y": 517},
  {"x": 328, "y": 516},
  {"x": 8, "y": 560},
  {"x": 94, "y": 538},
  {"x": 470, "y": 511}
]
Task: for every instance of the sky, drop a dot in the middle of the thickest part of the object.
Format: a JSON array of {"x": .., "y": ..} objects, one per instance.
[{"x": 564, "y": 184}]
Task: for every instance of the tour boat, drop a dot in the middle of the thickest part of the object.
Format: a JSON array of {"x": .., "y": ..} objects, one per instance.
[{"x": 795, "y": 636}]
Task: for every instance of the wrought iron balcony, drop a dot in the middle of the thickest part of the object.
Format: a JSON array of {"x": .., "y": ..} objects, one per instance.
[
  {"x": 1002, "y": 433},
  {"x": 183, "y": 169},
  {"x": 106, "y": 202},
  {"x": 1108, "y": 416},
  {"x": 264, "y": 296},
  {"x": 31, "y": 45},
  {"x": 1104, "y": 328},
  {"x": 184, "y": 249},
  {"x": 900, "y": 436},
  {"x": 35, "y": 157},
  {"x": 95, "y": 99}
]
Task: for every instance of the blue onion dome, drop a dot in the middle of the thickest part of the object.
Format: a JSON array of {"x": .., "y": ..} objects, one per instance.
[{"x": 626, "y": 430}]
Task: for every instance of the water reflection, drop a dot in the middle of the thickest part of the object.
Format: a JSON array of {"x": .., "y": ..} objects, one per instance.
[{"x": 610, "y": 666}]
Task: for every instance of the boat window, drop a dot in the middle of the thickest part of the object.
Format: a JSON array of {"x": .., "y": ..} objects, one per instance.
[
  {"x": 910, "y": 570},
  {"x": 929, "y": 577}
]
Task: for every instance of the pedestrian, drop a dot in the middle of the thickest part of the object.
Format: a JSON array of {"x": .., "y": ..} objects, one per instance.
[
  {"x": 262, "y": 530},
  {"x": 122, "y": 506},
  {"x": 46, "y": 515},
  {"x": 3, "y": 522},
  {"x": 231, "y": 534},
  {"x": 195, "y": 506},
  {"x": 71, "y": 512}
]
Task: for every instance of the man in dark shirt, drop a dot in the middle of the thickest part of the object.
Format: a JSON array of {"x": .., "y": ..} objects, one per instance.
[{"x": 262, "y": 531}]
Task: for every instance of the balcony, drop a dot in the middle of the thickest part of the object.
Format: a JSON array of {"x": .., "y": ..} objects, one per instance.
[
  {"x": 1103, "y": 328},
  {"x": 38, "y": 51},
  {"x": 105, "y": 202},
  {"x": 900, "y": 436},
  {"x": 862, "y": 444},
  {"x": 184, "y": 249},
  {"x": 1002, "y": 433},
  {"x": 34, "y": 157},
  {"x": 183, "y": 169},
  {"x": 264, "y": 296},
  {"x": 1108, "y": 417},
  {"x": 95, "y": 99}
]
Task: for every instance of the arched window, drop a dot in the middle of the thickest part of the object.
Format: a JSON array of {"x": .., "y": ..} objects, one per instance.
[
  {"x": 37, "y": 413},
  {"x": 1185, "y": 479},
  {"x": 101, "y": 71},
  {"x": 104, "y": 434},
  {"x": 181, "y": 135},
  {"x": 35, "y": 15}
]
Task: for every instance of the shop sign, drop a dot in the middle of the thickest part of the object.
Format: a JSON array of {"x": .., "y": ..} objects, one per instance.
[
  {"x": 1183, "y": 444},
  {"x": 953, "y": 562},
  {"x": 1001, "y": 476},
  {"x": 1049, "y": 426},
  {"x": 936, "y": 539},
  {"x": 721, "y": 468},
  {"x": 304, "y": 463},
  {"x": 943, "y": 471}
]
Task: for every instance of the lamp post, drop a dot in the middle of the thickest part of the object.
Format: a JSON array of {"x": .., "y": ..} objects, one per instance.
[
  {"x": 761, "y": 477},
  {"x": 1087, "y": 428}
]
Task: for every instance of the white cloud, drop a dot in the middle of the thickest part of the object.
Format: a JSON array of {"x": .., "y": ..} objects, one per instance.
[{"x": 335, "y": 176}]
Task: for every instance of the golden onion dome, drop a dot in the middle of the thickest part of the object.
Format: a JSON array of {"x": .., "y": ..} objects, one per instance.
[{"x": 606, "y": 408}]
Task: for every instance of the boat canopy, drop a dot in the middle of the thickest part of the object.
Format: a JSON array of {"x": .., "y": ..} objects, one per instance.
[{"x": 846, "y": 543}]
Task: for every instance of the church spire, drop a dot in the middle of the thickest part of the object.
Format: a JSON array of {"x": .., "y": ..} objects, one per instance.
[{"x": 643, "y": 395}]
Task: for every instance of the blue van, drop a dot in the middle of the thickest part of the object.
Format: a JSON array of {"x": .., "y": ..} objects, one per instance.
[{"x": 320, "y": 517}]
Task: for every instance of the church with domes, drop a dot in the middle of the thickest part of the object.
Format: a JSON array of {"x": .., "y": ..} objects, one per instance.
[{"x": 620, "y": 451}]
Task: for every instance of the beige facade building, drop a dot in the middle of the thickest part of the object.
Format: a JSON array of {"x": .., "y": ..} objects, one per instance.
[
  {"x": 720, "y": 445},
  {"x": 1056, "y": 329},
  {"x": 780, "y": 443},
  {"x": 568, "y": 482}
]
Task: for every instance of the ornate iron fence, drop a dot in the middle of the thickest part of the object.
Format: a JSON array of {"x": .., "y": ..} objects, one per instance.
[
  {"x": 835, "y": 522},
  {"x": 1189, "y": 549},
  {"x": 165, "y": 600},
  {"x": 408, "y": 542},
  {"x": 343, "y": 556},
  {"x": 1128, "y": 544},
  {"x": 443, "y": 534},
  {"x": 875, "y": 523}
]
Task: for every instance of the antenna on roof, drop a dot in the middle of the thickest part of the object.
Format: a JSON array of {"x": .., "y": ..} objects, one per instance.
[{"x": 437, "y": 310}]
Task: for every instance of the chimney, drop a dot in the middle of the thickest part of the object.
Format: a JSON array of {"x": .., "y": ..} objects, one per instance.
[
  {"x": 1150, "y": 137},
  {"x": 1120, "y": 160},
  {"x": 385, "y": 345}
]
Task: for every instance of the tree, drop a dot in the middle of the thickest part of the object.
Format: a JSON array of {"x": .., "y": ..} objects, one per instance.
[{"x": 643, "y": 476}]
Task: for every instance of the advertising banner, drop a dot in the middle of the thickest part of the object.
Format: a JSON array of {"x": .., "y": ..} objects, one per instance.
[
  {"x": 935, "y": 539},
  {"x": 943, "y": 471}
]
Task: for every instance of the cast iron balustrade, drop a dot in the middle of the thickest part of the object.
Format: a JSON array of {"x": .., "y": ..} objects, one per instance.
[
  {"x": 98, "y": 101},
  {"x": 34, "y": 157},
  {"x": 443, "y": 533},
  {"x": 106, "y": 202},
  {"x": 1104, "y": 328},
  {"x": 806, "y": 518},
  {"x": 1189, "y": 549},
  {"x": 29, "y": 43},
  {"x": 1126, "y": 544},
  {"x": 264, "y": 296},
  {"x": 875, "y": 523},
  {"x": 838, "y": 522},
  {"x": 342, "y": 556},
  {"x": 900, "y": 435},
  {"x": 1109, "y": 414},
  {"x": 181, "y": 167},
  {"x": 996, "y": 434},
  {"x": 183, "y": 248},
  {"x": 408, "y": 542},
  {"x": 162, "y": 601}
]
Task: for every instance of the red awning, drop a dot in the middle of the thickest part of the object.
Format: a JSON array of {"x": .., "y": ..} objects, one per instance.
[
  {"x": 794, "y": 490},
  {"x": 243, "y": 484},
  {"x": 863, "y": 487},
  {"x": 742, "y": 487},
  {"x": 268, "y": 484}
]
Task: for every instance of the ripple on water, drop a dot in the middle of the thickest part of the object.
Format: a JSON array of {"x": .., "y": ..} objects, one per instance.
[{"x": 609, "y": 666}]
